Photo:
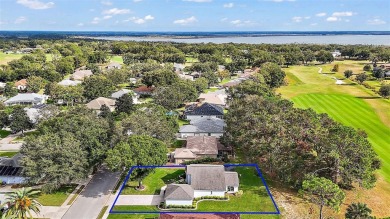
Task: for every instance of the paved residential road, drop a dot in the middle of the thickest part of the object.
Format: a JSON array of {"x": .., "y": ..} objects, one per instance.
[{"x": 94, "y": 197}]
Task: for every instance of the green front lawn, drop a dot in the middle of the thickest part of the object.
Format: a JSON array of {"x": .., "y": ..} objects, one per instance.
[
  {"x": 4, "y": 133},
  {"x": 8, "y": 153},
  {"x": 153, "y": 182},
  {"x": 56, "y": 198}
]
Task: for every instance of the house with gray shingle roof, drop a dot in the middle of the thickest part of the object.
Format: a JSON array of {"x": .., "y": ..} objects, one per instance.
[
  {"x": 203, "y": 127},
  {"x": 202, "y": 180}
]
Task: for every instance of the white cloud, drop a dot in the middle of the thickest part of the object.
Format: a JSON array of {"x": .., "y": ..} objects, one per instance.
[
  {"x": 297, "y": 19},
  {"x": 235, "y": 22},
  {"x": 307, "y": 17},
  {"x": 149, "y": 17},
  {"x": 199, "y": 1},
  {"x": 376, "y": 21},
  {"x": 138, "y": 20},
  {"x": 186, "y": 21},
  {"x": 313, "y": 24},
  {"x": 322, "y": 14},
  {"x": 80, "y": 24},
  {"x": 116, "y": 11},
  {"x": 95, "y": 20},
  {"x": 281, "y": 0},
  {"x": 106, "y": 2},
  {"x": 3, "y": 22},
  {"x": 20, "y": 19},
  {"x": 35, "y": 4},
  {"x": 343, "y": 14},
  {"x": 107, "y": 17},
  {"x": 332, "y": 19},
  {"x": 228, "y": 5},
  {"x": 137, "y": 1},
  {"x": 224, "y": 19},
  {"x": 240, "y": 23}
]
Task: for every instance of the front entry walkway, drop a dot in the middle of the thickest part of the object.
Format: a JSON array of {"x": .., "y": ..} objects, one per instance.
[{"x": 139, "y": 200}]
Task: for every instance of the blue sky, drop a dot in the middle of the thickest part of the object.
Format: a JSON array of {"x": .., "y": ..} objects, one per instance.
[{"x": 195, "y": 15}]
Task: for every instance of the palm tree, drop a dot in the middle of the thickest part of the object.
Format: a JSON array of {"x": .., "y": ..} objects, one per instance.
[
  {"x": 20, "y": 204},
  {"x": 358, "y": 211}
]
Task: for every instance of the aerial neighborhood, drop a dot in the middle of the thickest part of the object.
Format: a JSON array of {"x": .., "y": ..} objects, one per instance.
[{"x": 191, "y": 128}]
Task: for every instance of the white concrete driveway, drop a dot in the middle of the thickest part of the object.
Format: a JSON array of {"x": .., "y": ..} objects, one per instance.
[{"x": 139, "y": 200}]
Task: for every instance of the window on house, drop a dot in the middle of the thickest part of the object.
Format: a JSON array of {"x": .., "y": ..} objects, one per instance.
[
  {"x": 209, "y": 134},
  {"x": 230, "y": 189}
]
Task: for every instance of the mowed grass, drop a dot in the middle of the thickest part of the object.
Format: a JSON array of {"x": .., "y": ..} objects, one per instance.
[
  {"x": 254, "y": 199},
  {"x": 354, "y": 112},
  {"x": 351, "y": 104},
  {"x": 57, "y": 197},
  {"x": 117, "y": 59},
  {"x": 153, "y": 182},
  {"x": 5, "y": 58}
]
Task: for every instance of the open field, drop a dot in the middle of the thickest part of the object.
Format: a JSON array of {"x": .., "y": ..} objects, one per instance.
[
  {"x": 5, "y": 58},
  {"x": 353, "y": 105},
  {"x": 117, "y": 59}
]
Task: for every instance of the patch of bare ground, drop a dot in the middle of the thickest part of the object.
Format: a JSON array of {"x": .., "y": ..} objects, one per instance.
[{"x": 294, "y": 207}]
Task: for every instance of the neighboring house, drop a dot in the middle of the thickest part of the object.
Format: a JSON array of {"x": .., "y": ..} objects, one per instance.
[
  {"x": 198, "y": 147},
  {"x": 2, "y": 84},
  {"x": 133, "y": 80},
  {"x": 178, "y": 67},
  {"x": 120, "y": 93},
  {"x": 198, "y": 216},
  {"x": 202, "y": 180},
  {"x": 144, "y": 90},
  {"x": 336, "y": 53},
  {"x": 213, "y": 98},
  {"x": 203, "y": 127},
  {"x": 81, "y": 74},
  {"x": 34, "y": 112},
  {"x": 27, "y": 98},
  {"x": 114, "y": 65},
  {"x": 21, "y": 84},
  {"x": 186, "y": 77},
  {"x": 221, "y": 68},
  {"x": 67, "y": 82},
  {"x": 10, "y": 170},
  {"x": 97, "y": 103},
  {"x": 205, "y": 110},
  {"x": 232, "y": 83}
]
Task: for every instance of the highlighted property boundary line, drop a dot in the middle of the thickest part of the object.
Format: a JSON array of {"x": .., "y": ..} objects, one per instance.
[{"x": 194, "y": 212}]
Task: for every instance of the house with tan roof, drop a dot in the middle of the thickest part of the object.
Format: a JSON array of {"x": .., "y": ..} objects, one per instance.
[
  {"x": 202, "y": 180},
  {"x": 21, "y": 84},
  {"x": 213, "y": 98},
  {"x": 198, "y": 147},
  {"x": 81, "y": 74},
  {"x": 97, "y": 103}
]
